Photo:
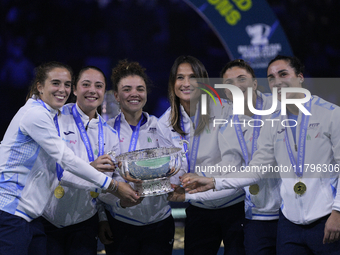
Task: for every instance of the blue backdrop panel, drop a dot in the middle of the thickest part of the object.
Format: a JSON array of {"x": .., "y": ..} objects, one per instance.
[{"x": 248, "y": 29}]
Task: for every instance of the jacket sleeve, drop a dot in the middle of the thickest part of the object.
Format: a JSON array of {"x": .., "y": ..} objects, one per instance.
[
  {"x": 38, "y": 124},
  {"x": 262, "y": 157},
  {"x": 335, "y": 140}
]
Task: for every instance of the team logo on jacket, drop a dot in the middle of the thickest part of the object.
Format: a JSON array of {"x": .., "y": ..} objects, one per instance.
[
  {"x": 279, "y": 132},
  {"x": 69, "y": 141},
  {"x": 313, "y": 125},
  {"x": 152, "y": 130},
  {"x": 149, "y": 140},
  {"x": 68, "y": 133}
]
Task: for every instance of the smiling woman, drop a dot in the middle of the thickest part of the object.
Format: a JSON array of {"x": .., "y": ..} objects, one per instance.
[
  {"x": 90, "y": 89},
  {"x": 69, "y": 227},
  {"x": 147, "y": 222},
  {"x": 32, "y": 159}
]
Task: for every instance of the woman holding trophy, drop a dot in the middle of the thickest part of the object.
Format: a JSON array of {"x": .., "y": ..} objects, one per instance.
[
  {"x": 310, "y": 211},
  {"x": 238, "y": 144},
  {"x": 29, "y": 152},
  {"x": 146, "y": 227},
  {"x": 211, "y": 216},
  {"x": 71, "y": 223}
]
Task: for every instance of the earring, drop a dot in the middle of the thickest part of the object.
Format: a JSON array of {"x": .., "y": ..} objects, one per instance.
[{"x": 41, "y": 93}]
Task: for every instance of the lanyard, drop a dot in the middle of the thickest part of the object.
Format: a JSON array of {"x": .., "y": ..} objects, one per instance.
[
  {"x": 135, "y": 133},
  {"x": 301, "y": 145},
  {"x": 85, "y": 137},
  {"x": 191, "y": 160},
  {"x": 59, "y": 170},
  {"x": 58, "y": 167},
  {"x": 256, "y": 132}
]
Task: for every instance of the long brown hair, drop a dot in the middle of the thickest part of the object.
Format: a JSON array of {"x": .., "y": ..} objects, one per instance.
[
  {"x": 41, "y": 73},
  {"x": 200, "y": 72}
]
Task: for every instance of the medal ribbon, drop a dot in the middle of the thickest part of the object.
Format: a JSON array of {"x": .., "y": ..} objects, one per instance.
[
  {"x": 301, "y": 144},
  {"x": 135, "y": 133},
  {"x": 257, "y": 128},
  {"x": 85, "y": 137},
  {"x": 256, "y": 133},
  {"x": 59, "y": 170},
  {"x": 191, "y": 160}
]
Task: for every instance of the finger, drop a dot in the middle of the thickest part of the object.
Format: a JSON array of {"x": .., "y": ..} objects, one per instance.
[
  {"x": 331, "y": 237},
  {"x": 186, "y": 184},
  {"x": 190, "y": 186},
  {"x": 105, "y": 168},
  {"x": 186, "y": 180},
  {"x": 108, "y": 162},
  {"x": 135, "y": 197},
  {"x": 336, "y": 236},
  {"x": 193, "y": 191},
  {"x": 109, "y": 167},
  {"x": 326, "y": 237}
]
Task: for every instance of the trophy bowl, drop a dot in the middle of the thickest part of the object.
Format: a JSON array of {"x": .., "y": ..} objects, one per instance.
[{"x": 153, "y": 167}]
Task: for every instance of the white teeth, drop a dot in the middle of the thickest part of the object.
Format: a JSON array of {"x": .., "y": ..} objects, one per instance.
[
  {"x": 91, "y": 98},
  {"x": 133, "y": 101},
  {"x": 60, "y": 97}
]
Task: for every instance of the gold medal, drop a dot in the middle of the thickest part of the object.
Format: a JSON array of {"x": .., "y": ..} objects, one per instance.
[
  {"x": 300, "y": 188},
  {"x": 254, "y": 189},
  {"x": 59, "y": 192},
  {"x": 94, "y": 194}
]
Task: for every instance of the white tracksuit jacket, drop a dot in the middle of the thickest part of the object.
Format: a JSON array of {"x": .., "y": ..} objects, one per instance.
[
  {"x": 208, "y": 155},
  {"x": 322, "y": 149},
  {"x": 266, "y": 204},
  {"x": 151, "y": 209},
  {"x": 28, "y": 154},
  {"x": 77, "y": 205}
]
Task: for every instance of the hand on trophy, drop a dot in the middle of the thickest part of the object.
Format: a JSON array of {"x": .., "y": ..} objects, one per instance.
[
  {"x": 126, "y": 192},
  {"x": 194, "y": 183},
  {"x": 104, "y": 163},
  {"x": 127, "y": 203},
  {"x": 178, "y": 195},
  {"x": 104, "y": 232}
]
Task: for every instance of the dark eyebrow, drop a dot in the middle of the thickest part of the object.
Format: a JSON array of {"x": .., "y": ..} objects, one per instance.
[
  {"x": 241, "y": 75},
  {"x": 85, "y": 81},
  {"x": 55, "y": 80},
  {"x": 281, "y": 71}
]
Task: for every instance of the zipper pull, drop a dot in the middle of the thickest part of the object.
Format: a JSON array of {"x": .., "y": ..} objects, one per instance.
[{"x": 295, "y": 147}]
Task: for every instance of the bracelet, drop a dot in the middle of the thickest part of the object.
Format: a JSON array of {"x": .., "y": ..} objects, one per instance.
[
  {"x": 214, "y": 181},
  {"x": 111, "y": 186},
  {"x": 117, "y": 185}
]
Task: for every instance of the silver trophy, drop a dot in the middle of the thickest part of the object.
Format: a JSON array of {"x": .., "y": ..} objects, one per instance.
[{"x": 151, "y": 169}]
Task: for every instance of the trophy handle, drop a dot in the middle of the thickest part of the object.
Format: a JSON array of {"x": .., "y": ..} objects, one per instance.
[
  {"x": 181, "y": 143},
  {"x": 112, "y": 154}
]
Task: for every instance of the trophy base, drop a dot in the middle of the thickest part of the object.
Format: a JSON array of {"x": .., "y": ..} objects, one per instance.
[{"x": 154, "y": 187}]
